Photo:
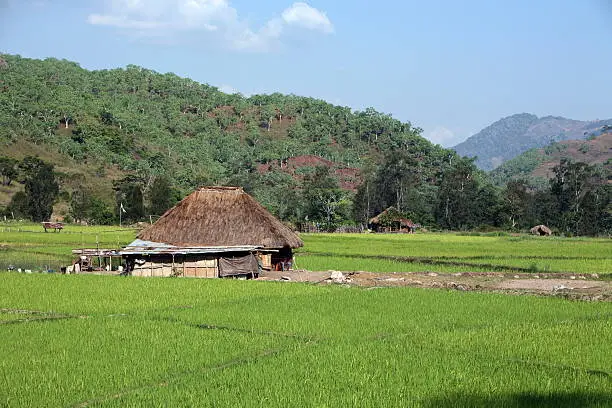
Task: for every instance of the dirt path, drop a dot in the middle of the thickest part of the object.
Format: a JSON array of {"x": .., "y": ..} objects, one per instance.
[{"x": 577, "y": 286}]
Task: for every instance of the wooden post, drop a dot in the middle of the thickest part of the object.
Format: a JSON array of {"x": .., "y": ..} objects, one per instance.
[{"x": 98, "y": 251}]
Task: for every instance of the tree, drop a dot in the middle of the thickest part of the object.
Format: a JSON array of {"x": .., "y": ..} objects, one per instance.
[
  {"x": 456, "y": 196},
  {"x": 8, "y": 170},
  {"x": 465, "y": 198},
  {"x": 397, "y": 175},
  {"x": 515, "y": 200},
  {"x": 18, "y": 207},
  {"x": 41, "y": 189},
  {"x": 99, "y": 213},
  {"x": 161, "y": 196},
  {"x": 582, "y": 196},
  {"x": 366, "y": 198},
  {"x": 65, "y": 104},
  {"x": 129, "y": 198},
  {"x": 277, "y": 191},
  {"x": 79, "y": 205},
  {"x": 325, "y": 201}
]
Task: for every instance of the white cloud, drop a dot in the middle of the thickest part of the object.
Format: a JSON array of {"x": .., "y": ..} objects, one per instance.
[
  {"x": 206, "y": 20},
  {"x": 302, "y": 15},
  {"x": 444, "y": 136}
]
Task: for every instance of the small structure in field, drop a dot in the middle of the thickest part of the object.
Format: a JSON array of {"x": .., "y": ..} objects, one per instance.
[
  {"x": 213, "y": 232},
  {"x": 56, "y": 226},
  {"x": 392, "y": 220},
  {"x": 541, "y": 230},
  {"x": 95, "y": 260}
]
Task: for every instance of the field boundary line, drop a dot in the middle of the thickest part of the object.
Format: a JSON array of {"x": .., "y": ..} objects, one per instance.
[
  {"x": 207, "y": 326},
  {"x": 165, "y": 382},
  {"x": 40, "y": 316},
  {"x": 302, "y": 341}
]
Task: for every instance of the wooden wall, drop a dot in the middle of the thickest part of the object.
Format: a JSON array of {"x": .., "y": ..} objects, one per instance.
[{"x": 193, "y": 267}]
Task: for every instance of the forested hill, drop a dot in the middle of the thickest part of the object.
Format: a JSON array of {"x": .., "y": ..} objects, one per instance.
[
  {"x": 516, "y": 134},
  {"x": 101, "y": 127},
  {"x": 123, "y": 145},
  {"x": 536, "y": 166}
]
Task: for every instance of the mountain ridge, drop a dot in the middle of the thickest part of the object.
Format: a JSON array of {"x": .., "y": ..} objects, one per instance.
[{"x": 513, "y": 135}]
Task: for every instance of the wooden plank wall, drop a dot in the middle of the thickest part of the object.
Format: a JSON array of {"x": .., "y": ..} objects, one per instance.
[
  {"x": 203, "y": 268},
  {"x": 266, "y": 261},
  {"x": 191, "y": 268}
]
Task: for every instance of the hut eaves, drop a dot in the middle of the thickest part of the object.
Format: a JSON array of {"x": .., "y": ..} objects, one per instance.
[{"x": 140, "y": 247}]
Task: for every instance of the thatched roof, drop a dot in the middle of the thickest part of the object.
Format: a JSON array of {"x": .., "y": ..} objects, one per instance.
[
  {"x": 391, "y": 214},
  {"x": 220, "y": 216},
  {"x": 541, "y": 229}
]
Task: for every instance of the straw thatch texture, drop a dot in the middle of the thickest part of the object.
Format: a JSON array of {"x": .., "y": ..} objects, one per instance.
[
  {"x": 391, "y": 214},
  {"x": 541, "y": 230},
  {"x": 220, "y": 216}
]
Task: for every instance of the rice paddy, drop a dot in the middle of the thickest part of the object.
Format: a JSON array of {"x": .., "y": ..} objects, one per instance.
[
  {"x": 455, "y": 253},
  {"x": 113, "y": 341},
  {"x": 85, "y": 340},
  {"x": 27, "y": 246}
]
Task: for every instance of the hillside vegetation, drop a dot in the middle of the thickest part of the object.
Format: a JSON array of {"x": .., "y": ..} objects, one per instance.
[
  {"x": 81, "y": 145},
  {"x": 536, "y": 165},
  {"x": 97, "y": 127},
  {"x": 513, "y": 135}
]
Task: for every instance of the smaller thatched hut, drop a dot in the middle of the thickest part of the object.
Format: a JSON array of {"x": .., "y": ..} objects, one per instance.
[
  {"x": 391, "y": 220},
  {"x": 213, "y": 232},
  {"x": 541, "y": 230}
]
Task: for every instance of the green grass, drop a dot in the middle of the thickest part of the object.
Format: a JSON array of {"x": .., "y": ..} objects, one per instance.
[
  {"x": 112, "y": 341},
  {"x": 84, "y": 340},
  {"x": 27, "y": 246},
  {"x": 454, "y": 253}
]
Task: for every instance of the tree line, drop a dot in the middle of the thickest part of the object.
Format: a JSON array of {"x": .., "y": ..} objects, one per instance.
[{"x": 576, "y": 202}]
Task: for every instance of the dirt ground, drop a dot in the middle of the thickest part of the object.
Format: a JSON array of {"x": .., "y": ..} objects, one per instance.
[{"x": 573, "y": 286}]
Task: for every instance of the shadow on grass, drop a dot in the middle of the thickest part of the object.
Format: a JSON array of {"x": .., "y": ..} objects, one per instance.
[{"x": 556, "y": 400}]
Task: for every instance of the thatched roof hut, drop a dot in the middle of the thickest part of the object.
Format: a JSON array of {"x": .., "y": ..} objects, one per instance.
[
  {"x": 213, "y": 232},
  {"x": 541, "y": 230},
  {"x": 391, "y": 220},
  {"x": 220, "y": 216}
]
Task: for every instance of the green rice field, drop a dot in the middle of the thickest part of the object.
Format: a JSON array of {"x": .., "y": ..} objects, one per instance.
[
  {"x": 455, "y": 253},
  {"x": 86, "y": 340},
  {"x": 27, "y": 246},
  {"x": 82, "y": 340}
]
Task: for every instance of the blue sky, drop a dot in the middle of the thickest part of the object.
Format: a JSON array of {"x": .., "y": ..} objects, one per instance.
[{"x": 449, "y": 67}]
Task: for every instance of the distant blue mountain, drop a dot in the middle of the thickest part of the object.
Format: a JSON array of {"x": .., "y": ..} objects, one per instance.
[{"x": 518, "y": 133}]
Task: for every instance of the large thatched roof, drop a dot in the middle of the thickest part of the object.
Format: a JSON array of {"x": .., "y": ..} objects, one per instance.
[{"x": 220, "y": 216}]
